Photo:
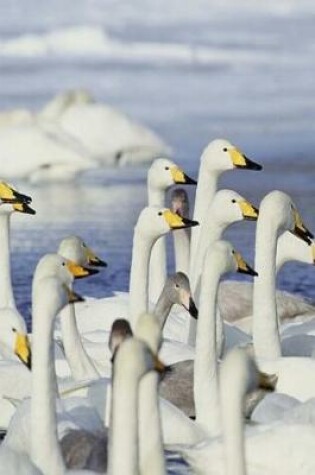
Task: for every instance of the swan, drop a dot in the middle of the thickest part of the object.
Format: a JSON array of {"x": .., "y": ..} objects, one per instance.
[
  {"x": 162, "y": 174},
  {"x": 181, "y": 239},
  {"x": 192, "y": 385},
  {"x": 152, "y": 223},
  {"x": 274, "y": 449},
  {"x": 238, "y": 310},
  {"x": 81, "y": 365},
  {"x": 277, "y": 214},
  {"x": 106, "y": 133},
  {"x": 219, "y": 156},
  {"x": 41, "y": 152}
]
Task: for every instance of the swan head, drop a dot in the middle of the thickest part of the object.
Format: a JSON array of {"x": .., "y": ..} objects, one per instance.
[
  {"x": 149, "y": 330},
  {"x": 229, "y": 207},
  {"x": 290, "y": 247},
  {"x": 12, "y": 200},
  {"x": 154, "y": 222},
  {"x": 226, "y": 259},
  {"x": 283, "y": 215},
  {"x": 56, "y": 266},
  {"x": 180, "y": 202},
  {"x": 220, "y": 155},
  {"x": 76, "y": 250},
  {"x": 120, "y": 331},
  {"x": 177, "y": 290},
  {"x": 164, "y": 173},
  {"x": 135, "y": 359},
  {"x": 13, "y": 337}
]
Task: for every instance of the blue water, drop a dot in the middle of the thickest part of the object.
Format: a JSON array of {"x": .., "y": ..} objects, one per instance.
[{"x": 215, "y": 70}]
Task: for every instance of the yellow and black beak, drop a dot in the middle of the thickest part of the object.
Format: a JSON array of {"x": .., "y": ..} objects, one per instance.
[
  {"x": 93, "y": 260},
  {"x": 23, "y": 208},
  {"x": 241, "y": 161},
  {"x": 10, "y": 195},
  {"x": 180, "y": 177},
  {"x": 242, "y": 266},
  {"x": 249, "y": 211},
  {"x": 73, "y": 297},
  {"x": 300, "y": 229},
  {"x": 178, "y": 222},
  {"x": 79, "y": 272},
  {"x": 23, "y": 349}
]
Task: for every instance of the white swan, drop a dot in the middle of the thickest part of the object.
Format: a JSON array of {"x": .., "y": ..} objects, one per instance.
[
  {"x": 219, "y": 156},
  {"x": 275, "y": 449},
  {"x": 107, "y": 134},
  {"x": 277, "y": 214},
  {"x": 162, "y": 174}
]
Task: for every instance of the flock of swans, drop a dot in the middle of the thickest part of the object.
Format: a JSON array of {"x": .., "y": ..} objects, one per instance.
[{"x": 105, "y": 385}]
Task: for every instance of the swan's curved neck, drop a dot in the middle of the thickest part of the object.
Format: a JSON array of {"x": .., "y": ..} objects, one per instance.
[
  {"x": 6, "y": 291},
  {"x": 232, "y": 394},
  {"x": 80, "y": 363},
  {"x": 162, "y": 309},
  {"x": 150, "y": 438},
  {"x": 206, "y": 189},
  {"x": 182, "y": 250},
  {"x": 156, "y": 197},
  {"x": 265, "y": 322},
  {"x": 138, "y": 287},
  {"x": 123, "y": 440},
  {"x": 45, "y": 448},
  {"x": 205, "y": 367}
]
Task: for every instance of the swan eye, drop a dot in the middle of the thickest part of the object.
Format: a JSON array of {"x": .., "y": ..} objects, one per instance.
[
  {"x": 225, "y": 149},
  {"x": 233, "y": 252},
  {"x": 14, "y": 330},
  {"x": 167, "y": 168},
  {"x": 177, "y": 286},
  {"x": 233, "y": 201},
  {"x": 160, "y": 213},
  {"x": 83, "y": 244},
  {"x": 63, "y": 264}
]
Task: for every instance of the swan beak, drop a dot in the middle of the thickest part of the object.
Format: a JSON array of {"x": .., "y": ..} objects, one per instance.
[
  {"x": 177, "y": 222},
  {"x": 10, "y": 195},
  {"x": 300, "y": 229},
  {"x": 313, "y": 251},
  {"x": 242, "y": 266},
  {"x": 267, "y": 381},
  {"x": 73, "y": 297},
  {"x": 180, "y": 177},
  {"x": 188, "y": 303},
  {"x": 23, "y": 349},
  {"x": 241, "y": 161},
  {"x": 249, "y": 211},
  {"x": 79, "y": 272},
  {"x": 23, "y": 208},
  {"x": 158, "y": 365},
  {"x": 93, "y": 259}
]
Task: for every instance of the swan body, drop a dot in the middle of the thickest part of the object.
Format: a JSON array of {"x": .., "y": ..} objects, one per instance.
[{"x": 107, "y": 134}]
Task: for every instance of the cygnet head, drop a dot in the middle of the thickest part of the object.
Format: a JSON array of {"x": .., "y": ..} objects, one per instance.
[
  {"x": 220, "y": 155},
  {"x": 134, "y": 359},
  {"x": 177, "y": 291},
  {"x": 13, "y": 336},
  {"x": 121, "y": 330},
  {"x": 13, "y": 201},
  {"x": 149, "y": 330},
  {"x": 225, "y": 258},
  {"x": 164, "y": 173},
  {"x": 76, "y": 250},
  {"x": 283, "y": 215},
  {"x": 154, "y": 222},
  {"x": 180, "y": 202},
  {"x": 228, "y": 207}
]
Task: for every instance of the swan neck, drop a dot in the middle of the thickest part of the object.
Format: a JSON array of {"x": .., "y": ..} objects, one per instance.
[
  {"x": 6, "y": 291},
  {"x": 162, "y": 308},
  {"x": 265, "y": 322},
  {"x": 205, "y": 367},
  {"x": 123, "y": 432},
  {"x": 81, "y": 365},
  {"x": 150, "y": 438},
  {"x": 46, "y": 453},
  {"x": 138, "y": 286},
  {"x": 182, "y": 250}
]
